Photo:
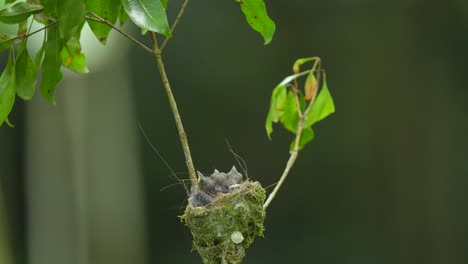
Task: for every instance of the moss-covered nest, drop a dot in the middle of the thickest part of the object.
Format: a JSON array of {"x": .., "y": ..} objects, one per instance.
[{"x": 225, "y": 227}]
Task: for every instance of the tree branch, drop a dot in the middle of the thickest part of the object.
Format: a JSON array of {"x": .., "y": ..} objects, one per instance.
[
  {"x": 176, "y": 22},
  {"x": 175, "y": 111}
]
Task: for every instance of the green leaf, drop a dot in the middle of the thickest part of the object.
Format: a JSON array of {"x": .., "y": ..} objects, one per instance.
[
  {"x": 290, "y": 117},
  {"x": 277, "y": 101},
  {"x": 19, "y": 12},
  {"x": 7, "y": 89},
  {"x": 123, "y": 17},
  {"x": 322, "y": 107},
  {"x": 164, "y": 3},
  {"x": 26, "y": 74},
  {"x": 39, "y": 55},
  {"x": 306, "y": 136},
  {"x": 72, "y": 57},
  {"x": 148, "y": 14},
  {"x": 107, "y": 9},
  {"x": 256, "y": 15},
  {"x": 6, "y": 41},
  {"x": 284, "y": 110},
  {"x": 51, "y": 73},
  {"x": 71, "y": 14}
]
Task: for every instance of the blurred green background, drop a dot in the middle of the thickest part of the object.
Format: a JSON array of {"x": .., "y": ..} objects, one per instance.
[{"x": 384, "y": 181}]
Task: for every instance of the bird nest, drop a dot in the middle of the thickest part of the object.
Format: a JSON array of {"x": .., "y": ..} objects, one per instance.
[{"x": 224, "y": 214}]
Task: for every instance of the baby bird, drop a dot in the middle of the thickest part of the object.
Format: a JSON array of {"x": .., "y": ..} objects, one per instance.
[{"x": 210, "y": 186}]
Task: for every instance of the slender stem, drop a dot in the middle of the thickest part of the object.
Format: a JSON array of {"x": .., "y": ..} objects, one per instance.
[
  {"x": 176, "y": 22},
  {"x": 23, "y": 36},
  {"x": 291, "y": 161},
  {"x": 97, "y": 19},
  {"x": 167, "y": 86}
]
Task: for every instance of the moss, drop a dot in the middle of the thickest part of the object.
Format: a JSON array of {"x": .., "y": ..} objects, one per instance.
[{"x": 216, "y": 226}]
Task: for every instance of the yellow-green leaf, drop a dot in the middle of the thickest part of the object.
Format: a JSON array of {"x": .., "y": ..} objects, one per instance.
[
  {"x": 72, "y": 56},
  {"x": 306, "y": 136},
  {"x": 164, "y": 3},
  {"x": 7, "y": 89},
  {"x": 322, "y": 107},
  {"x": 290, "y": 117},
  {"x": 256, "y": 15},
  {"x": 277, "y": 101}
]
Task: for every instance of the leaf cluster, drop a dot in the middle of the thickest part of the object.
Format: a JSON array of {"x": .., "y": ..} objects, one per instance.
[
  {"x": 299, "y": 109},
  {"x": 63, "y": 21}
]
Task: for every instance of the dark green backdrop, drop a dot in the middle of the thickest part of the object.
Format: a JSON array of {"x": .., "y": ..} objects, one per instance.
[{"x": 385, "y": 179}]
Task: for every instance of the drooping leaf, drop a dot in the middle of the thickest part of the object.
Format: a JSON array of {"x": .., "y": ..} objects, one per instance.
[
  {"x": 148, "y": 14},
  {"x": 71, "y": 14},
  {"x": 290, "y": 117},
  {"x": 306, "y": 136},
  {"x": 277, "y": 101},
  {"x": 51, "y": 73},
  {"x": 19, "y": 12},
  {"x": 5, "y": 41},
  {"x": 72, "y": 56},
  {"x": 7, "y": 89},
  {"x": 39, "y": 55},
  {"x": 277, "y": 107},
  {"x": 322, "y": 107},
  {"x": 123, "y": 16},
  {"x": 107, "y": 9},
  {"x": 26, "y": 74},
  {"x": 256, "y": 15}
]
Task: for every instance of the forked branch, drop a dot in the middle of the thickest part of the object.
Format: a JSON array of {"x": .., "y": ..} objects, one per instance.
[{"x": 300, "y": 126}]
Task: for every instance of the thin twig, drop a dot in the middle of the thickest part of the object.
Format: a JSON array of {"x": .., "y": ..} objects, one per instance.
[
  {"x": 23, "y": 36},
  {"x": 98, "y": 19},
  {"x": 176, "y": 22},
  {"x": 182, "y": 135},
  {"x": 291, "y": 161}
]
